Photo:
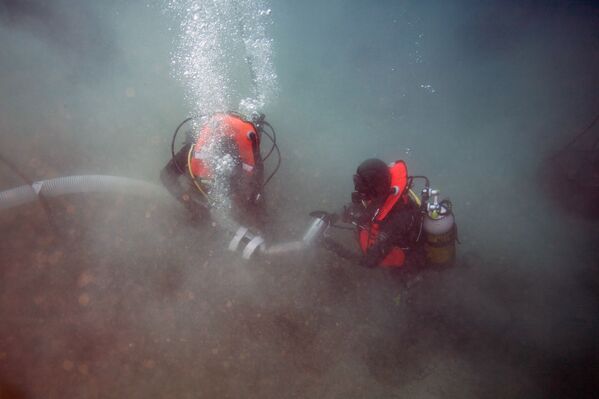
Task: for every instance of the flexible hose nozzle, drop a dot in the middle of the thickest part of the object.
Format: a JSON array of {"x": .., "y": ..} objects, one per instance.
[
  {"x": 252, "y": 243},
  {"x": 284, "y": 248}
]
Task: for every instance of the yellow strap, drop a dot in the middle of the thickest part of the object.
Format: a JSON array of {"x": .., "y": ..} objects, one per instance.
[{"x": 414, "y": 197}]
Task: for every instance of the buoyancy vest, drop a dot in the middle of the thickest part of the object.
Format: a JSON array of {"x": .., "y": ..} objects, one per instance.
[
  {"x": 243, "y": 133},
  {"x": 367, "y": 235}
]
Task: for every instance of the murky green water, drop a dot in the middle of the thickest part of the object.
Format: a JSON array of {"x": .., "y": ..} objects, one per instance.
[{"x": 120, "y": 296}]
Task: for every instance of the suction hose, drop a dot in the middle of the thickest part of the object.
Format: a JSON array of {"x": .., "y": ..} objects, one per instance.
[
  {"x": 75, "y": 184},
  {"x": 249, "y": 243},
  {"x": 243, "y": 239}
]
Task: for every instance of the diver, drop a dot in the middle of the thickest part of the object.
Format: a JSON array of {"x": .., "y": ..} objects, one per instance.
[
  {"x": 220, "y": 165},
  {"x": 394, "y": 226},
  {"x": 388, "y": 221}
]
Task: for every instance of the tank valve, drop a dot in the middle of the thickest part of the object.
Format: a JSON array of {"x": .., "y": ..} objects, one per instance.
[{"x": 431, "y": 198}]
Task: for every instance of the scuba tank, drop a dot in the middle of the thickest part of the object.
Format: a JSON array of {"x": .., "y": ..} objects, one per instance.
[{"x": 440, "y": 230}]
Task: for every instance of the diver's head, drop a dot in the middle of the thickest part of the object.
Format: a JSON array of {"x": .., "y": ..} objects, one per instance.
[{"x": 372, "y": 180}]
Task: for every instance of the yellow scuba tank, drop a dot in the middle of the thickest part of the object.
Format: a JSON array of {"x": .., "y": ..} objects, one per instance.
[{"x": 440, "y": 233}]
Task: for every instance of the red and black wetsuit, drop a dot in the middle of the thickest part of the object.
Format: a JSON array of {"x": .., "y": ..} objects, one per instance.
[
  {"x": 238, "y": 138},
  {"x": 386, "y": 227}
]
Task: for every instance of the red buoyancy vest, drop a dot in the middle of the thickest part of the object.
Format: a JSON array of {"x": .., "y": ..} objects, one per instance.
[
  {"x": 242, "y": 132},
  {"x": 367, "y": 236}
]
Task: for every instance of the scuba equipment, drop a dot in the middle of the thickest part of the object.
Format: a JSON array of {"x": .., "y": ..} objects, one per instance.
[
  {"x": 226, "y": 146},
  {"x": 259, "y": 121},
  {"x": 433, "y": 227},
  {"x": 262, "y": 127},
  {"x": 390, "y": 184},
  {"x": 438, "y": 224},
  {"x": 439, "y": 228},
  {"x": 372, "y": 179}
]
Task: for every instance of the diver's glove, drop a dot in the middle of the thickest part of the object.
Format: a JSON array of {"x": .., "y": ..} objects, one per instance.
[
  {"x": 354, "y": 213},
  {"x": 257, "y": 200},
  {"x": 329, "y": 218},
  {"x": 332, "y": 218},
  {"x": 197, "y": 208}
]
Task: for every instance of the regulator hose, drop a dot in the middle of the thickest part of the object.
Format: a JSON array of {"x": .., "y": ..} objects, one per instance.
[
  {"x": 75, "y": 184},
  {"x": 173, "y": 143},
  {"x": 274, "y": 147}
]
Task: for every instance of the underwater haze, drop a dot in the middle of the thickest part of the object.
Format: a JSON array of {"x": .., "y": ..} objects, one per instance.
[{"x": 121, "y": 295}]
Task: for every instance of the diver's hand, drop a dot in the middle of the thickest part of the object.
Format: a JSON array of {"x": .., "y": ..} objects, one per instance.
[
  {"x": 332, "y": 218},
  {"x": 329, "y": 218},
  {"x": 353, "y": 213},
  {"x": 197, "y": 208}
]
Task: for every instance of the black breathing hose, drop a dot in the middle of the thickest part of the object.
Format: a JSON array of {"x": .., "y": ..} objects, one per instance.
[
  {"x": 272, "y": 138},
  {"x": 275, "y": 146},
  {"x": 173, "y": 143}
]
